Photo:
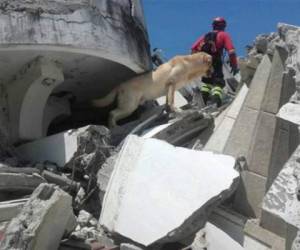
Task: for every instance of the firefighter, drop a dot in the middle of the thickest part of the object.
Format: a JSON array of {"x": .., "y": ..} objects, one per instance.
[{"x": 214, "y": 43}]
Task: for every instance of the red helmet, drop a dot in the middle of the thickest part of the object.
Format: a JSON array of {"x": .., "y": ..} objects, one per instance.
[{"x": 219, "y": 23}]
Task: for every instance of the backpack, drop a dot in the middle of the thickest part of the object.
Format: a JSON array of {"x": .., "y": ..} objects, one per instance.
[{"x": 209, "y": 43}]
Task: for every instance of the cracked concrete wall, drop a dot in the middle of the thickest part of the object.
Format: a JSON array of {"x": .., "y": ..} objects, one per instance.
[
  {"x": 99, "y": 43},
  {"x": 114, "y": 29}
]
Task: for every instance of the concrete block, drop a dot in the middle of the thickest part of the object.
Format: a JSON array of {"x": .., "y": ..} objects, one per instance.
[
  {"x": 286, "y": 140},
  {"x": 290, "y": 112},
  {"x": 281, "y": 204},
  {"x": 212, "y": 237},
  {"x": 241, "y": 136},
  {"x": 292, "y": 238},
  {"x": 249, "y": 195},
  {"x": 259, "y": 84},
  {"x": 257, "y": 238},
  {"x": 126, "y": 246},
  {"x": 13, "y": 182},
  {"x": 174, "y": 188},
  {"x": 28, "y": 95},
  {"x": 229, "y": 221},
  {"x": 42, "y": 221},
  {"x": 219, "y": 138},
  {"x": 56, "y": 108},
  {"x": 273, "y": 93},
  {"x": 288, "y": 86},
  {"x": 9, "y": 209},
  {"x": 261, "y": 150},
  {"x": 238, "y": 102},
  {"x": 60, "y": 148}
]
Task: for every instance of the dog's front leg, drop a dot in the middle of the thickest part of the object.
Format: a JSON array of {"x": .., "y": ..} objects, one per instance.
[{"x": 170, "y": 98}]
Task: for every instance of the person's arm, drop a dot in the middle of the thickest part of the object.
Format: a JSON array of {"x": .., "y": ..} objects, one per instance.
[
  {"x": 196, "y": 46},
  {"x": 231, "y": 52}
]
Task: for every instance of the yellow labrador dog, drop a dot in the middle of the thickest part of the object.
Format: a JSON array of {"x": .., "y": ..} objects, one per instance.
[{"x": 167, "y": 78}]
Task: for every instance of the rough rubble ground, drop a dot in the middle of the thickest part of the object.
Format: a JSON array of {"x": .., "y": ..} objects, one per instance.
[{"x": 95, "y": 159}]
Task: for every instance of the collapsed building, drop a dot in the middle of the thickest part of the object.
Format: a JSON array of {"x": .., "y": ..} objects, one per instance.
[{"x": 205, "y": 179}]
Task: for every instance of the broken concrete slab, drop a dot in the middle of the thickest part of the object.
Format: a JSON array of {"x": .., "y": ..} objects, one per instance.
[
  {"x": 175, "y": 183},
  {"x": 60, "y": 148},
  {"x": 290, "y": 112},
  {"x": 258, "y": 84},
  {"x": 257, "y": 237},
  {"x": 281, "y": 204},
  {"x": 61, "y": 181},
  {"x": 221, "y": 133},
  {"x": 42, "y": 221},
  {"x": 274, "y": 96},
  {"x": 9, "y": 209},
  {"x": 126, "y": 246},
  {"x": 212, "y": 237},
  {"x": 26, "y": 107},
  {"x": 250, "y": 193},
  {"x": 11, "y": 182},
  {"x": 186, "y": 128}
]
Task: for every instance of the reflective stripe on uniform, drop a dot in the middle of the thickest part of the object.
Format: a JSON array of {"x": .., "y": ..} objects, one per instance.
[
  {"x": 206, "y": 88},
  {"x": 218, "y": 91}
]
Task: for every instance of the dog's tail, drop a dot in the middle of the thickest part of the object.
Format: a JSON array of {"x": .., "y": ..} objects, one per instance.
[{"x": 106, "y": 100}]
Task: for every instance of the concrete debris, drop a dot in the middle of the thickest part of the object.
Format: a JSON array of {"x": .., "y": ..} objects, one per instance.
[
  {"x": 42, "y": 221},
  {"x": 13, "y": 182},
  {"x": 126, "y": 246},
  {"x": 211, "y": 237},
  {"x": 64, "y": 182},
  {"x": 9, "y": 209},
  {"x": 83, "y": 218},
  {"x": 184, "y": 129},
  {"x": 290, "y": 112},
  {"x": 104, "y": 175},
  {"x": 158, "y": 167},
  {"x": 92, "y": 150}
]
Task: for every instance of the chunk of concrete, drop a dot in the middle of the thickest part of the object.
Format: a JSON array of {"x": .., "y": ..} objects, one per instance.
[
  {"x": 290, "y": 112},
  {"x": 221, "y": 133},
  {"x": 11, "y": 182},
  {"x": 281, "y": 204},
  {"x": 126, "y": 246},
  {"x": 275, "y": 88},
  {"x": 153, "y": 180},
  {"x": 9, "y": 209},
  {"x": 27, "y": 97},
  {"x": 258, "y": 85},
  {"x": 250, "y": 193},
  {"x": 42, "y": 221},
  {"x": 60, "y": 148},
  {"x": 212, "y": 237}
]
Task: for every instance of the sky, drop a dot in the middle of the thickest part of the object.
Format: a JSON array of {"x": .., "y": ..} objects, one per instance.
[{"x": 174, "y": 25}]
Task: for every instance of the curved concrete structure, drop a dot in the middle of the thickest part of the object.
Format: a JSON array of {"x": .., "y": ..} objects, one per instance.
[{"x": 98, "y": 44}]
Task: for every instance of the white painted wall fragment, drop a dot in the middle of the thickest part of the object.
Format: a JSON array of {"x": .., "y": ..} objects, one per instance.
[{"x": 156, "y": 187}]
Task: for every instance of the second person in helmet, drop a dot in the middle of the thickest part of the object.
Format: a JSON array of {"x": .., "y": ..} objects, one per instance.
[{"x": 214, "y": 43}]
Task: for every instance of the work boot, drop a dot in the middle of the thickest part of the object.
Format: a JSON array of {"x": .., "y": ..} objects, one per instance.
[
  {"x": 205, "y": 92},
  {"x": 216, "y": 99},
  {"x": 216, "y": 95}
]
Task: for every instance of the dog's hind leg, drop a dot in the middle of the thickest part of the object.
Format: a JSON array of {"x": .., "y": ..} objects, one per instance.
[{"x": 127, "y": 104}]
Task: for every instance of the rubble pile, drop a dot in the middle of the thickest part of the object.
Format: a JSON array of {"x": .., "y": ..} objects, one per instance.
[{"x": 195, "y": 179}]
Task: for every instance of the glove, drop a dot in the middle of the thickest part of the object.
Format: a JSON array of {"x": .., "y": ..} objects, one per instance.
[{"x": 234, "y": 70}]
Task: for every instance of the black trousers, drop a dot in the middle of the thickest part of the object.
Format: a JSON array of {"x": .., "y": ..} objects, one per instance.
[{"x": 217, "y": 78}]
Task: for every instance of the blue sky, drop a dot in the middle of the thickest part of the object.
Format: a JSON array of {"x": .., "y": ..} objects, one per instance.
[{"x": 174, "y": 25}]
